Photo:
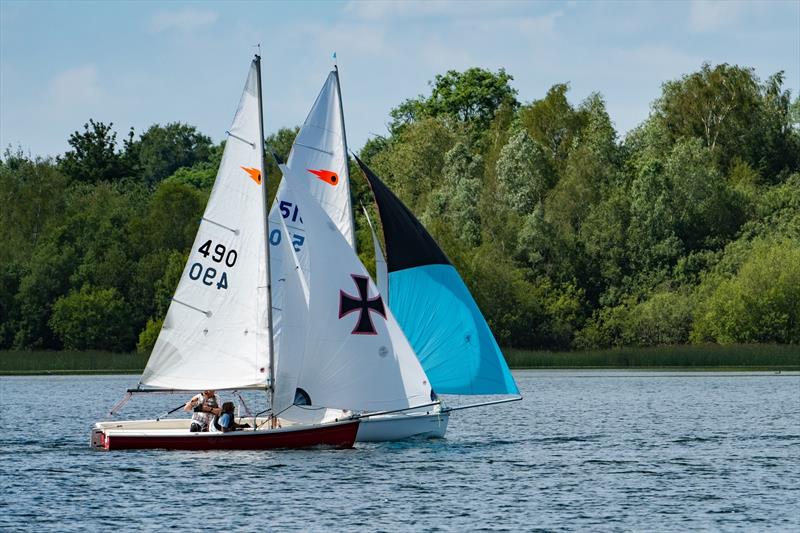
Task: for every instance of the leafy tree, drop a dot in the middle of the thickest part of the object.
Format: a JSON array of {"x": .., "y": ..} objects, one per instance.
[
  {"x": 31, "y": 198},
  {"x": 94, "y": 156},
  {"x": 458, "y": 197},
  {"x": 760, "y": 303},
  {"x": 149, "y": 335},
  {"x": 734, "y": 115},
  {"x": 200, "y": 175},
  {"x": 161, "y": 150},
  {"x": 171, "y": 220},
  {"x": 469, "y": 97},
  {"x": 412, "y": 165},
  {"x": 523, "y": 173},
  {"x": 46, "y": 278},
  {"x": 92, "y": 319},
  {"x": 553, "y": 123}
]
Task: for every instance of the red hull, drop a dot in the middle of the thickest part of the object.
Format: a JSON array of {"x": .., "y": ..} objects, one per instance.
[{"x": 341, "y": 435}]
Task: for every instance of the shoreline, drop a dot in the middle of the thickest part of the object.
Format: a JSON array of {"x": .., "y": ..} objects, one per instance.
[
  {"x": 778, "y": 369},
  {"x": 680, "y": 358}
]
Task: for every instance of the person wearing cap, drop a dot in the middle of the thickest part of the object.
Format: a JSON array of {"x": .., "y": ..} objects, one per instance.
[{"x": 204, "y": 407}]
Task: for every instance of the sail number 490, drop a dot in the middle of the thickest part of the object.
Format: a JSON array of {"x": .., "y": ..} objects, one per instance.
[
  {"x": 196, "y": 272},
  {"x": 208, "y": 275}
]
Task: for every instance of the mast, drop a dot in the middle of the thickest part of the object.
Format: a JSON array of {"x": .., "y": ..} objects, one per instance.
[
  {"x": 346, "y": 157},
  {"x": 265, "y": 222}
]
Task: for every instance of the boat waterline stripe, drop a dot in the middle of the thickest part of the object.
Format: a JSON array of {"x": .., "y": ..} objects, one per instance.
[
  {"x": 313, "y": 148},
  {"x": 207, "y": 313},
  {"x": 252, "y": 145},
  {"x": 235, "y": 231}
]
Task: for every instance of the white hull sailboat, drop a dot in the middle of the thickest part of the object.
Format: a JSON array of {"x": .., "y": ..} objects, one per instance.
[
  {"x": 218, "y": 331},
  {"x": 317, "y": 168},
  {"x": 438, "y": 316}
]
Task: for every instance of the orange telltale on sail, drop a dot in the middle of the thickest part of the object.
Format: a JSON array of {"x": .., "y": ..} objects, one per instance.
[
  {"x": 254, "y": 173},
  {"x": 328, "y": 176}
]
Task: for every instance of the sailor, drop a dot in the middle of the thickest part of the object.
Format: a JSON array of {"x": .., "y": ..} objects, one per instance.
[{"x": 204, "y": 407}]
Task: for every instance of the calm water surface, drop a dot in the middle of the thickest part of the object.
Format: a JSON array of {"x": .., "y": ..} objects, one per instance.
[{"x": 591, "y": 450}]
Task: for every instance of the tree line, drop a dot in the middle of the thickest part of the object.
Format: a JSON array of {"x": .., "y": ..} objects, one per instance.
[{"x": 687, "y": 230}]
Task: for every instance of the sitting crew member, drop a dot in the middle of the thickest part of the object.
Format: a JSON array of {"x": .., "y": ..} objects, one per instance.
[
  {"x": 226, "y": 421},
  {"x": 205, "y": 406}
]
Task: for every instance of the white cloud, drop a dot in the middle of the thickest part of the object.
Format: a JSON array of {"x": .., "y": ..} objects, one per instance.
[
  {"x": 417, "y": 9},
  {"x": 183, "y": 21},
  {"x": 75, "y": 87},
  {"x": 710, "y": 15}
]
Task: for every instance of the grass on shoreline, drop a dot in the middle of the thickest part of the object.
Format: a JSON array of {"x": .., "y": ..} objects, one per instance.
[
  {"x": 71, "y": 362},
  {"x": 705, "y": 356},
  {"x": 690, "y": 357}
]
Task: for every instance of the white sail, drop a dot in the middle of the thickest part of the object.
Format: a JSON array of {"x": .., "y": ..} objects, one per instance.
[
  {"x": 319, "y": 158},
  {"x": 381, "y": 270},
  {"x": 290, "y": 321},
  {"x": 215, "y": 333},
  {"x": 354, "y": 354}
]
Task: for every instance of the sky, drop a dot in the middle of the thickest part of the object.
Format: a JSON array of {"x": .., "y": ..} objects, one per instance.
[{"x": 140, "y": 63}]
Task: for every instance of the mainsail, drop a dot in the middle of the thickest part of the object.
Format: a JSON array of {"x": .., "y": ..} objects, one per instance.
[
  {"x": 319, "y": 159},
  {"x": 215, "y": 334},
  {"x": 434, "y": 308},
  {"x": 353, "y": 353}
]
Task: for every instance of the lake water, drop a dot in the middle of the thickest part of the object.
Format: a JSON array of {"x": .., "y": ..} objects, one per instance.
[{"x": 585, "y": 450}]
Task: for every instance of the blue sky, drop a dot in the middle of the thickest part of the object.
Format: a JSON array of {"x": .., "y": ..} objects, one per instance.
[{"x": 140, "y": 63}]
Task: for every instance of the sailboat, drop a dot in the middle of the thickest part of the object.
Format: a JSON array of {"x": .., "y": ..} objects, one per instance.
[
  {"x": 317, "y": 215},
  {"x": 434, "y": 308},
  {"x": 218, "y": 331}
]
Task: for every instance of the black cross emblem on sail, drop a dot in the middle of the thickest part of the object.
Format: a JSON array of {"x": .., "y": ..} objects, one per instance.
[{"x": 362, "y": 304}]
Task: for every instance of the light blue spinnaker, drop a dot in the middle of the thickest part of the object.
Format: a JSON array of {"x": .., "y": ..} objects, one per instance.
[
  {"x": 448, "y": 332},
  {"x": 434, "y": 308}
]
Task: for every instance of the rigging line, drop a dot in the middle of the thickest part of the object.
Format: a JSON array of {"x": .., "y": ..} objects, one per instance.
[
  {"x": 119, "y": 404},
  {"x": 313, "y": 148},
  {"x": 379, "y": 413},
  {"x": 470, "y": 406},
  {"x": 235, "y": 231},
  {"x": 252, "y": 145},
  {"x": 207, "y": 313}
]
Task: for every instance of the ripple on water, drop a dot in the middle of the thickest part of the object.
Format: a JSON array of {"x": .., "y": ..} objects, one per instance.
[{"x": 640, "y": 453}]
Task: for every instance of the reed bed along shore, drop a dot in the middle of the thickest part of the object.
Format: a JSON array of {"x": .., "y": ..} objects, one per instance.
[
  {"x": 704, "y": 356},
  {"x": 70, "y": 362},
  {"x": 691, "y": 357}
]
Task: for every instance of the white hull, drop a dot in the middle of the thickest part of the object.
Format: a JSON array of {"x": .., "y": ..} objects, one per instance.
[{"x": 402, "y": 426}]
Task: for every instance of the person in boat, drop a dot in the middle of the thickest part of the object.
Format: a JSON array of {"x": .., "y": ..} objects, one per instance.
[
  {"x": 204, "y": 407},
  {"x": 226, "y": 421}
]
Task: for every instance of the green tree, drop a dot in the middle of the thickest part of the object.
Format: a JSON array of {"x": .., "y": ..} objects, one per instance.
[
  {"x": 94, "y": 156},
  {"x": 469, "y": 97},
  {"x": 93, "y": 319},
  {"x": 553, "y": 123},
  {"x": 161, "y": 150},
  {"x": 523, "y": 173},
  {"x": 31, "y": 198},
  {"x": 458, "y": 197},
  {"x": 760, "y": 303}
]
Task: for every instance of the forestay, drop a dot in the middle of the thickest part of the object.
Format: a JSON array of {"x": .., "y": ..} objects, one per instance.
[
  {"x": 354, "y": 355},
  {"x": 215, "y": 333}
]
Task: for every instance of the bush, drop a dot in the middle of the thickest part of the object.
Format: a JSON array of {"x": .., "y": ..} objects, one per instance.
[
  {"x": 760, "y": 303},
  {"x": 93, "y": 318}
]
